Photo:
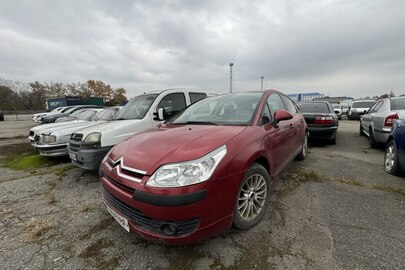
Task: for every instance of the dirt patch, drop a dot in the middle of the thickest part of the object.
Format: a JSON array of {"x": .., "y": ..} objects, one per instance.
[
  {"x": 16, "y": 149},
  {"x": 301, "y": 175},
  {"x": 36, "y": 230}
]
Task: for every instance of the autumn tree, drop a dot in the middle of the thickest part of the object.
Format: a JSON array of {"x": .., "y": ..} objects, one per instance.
[
  {"x": 9, "y": 100},
  {"x": 100, "y": 89},
  {"x": 119, "y": 97}
]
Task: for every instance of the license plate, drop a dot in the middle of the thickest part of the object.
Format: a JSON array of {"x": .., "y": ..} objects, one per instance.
[
  {"x": 121, "y": 220},
  {"x": 72, "y": 156}
]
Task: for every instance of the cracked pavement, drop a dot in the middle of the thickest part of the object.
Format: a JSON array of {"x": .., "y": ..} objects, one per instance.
[{"x": 51, "y": 220}]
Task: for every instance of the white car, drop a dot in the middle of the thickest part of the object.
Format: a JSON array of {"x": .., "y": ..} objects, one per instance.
[
  {"x": 88, "y": 146},
  {"x": 53, "y": 140},
  {"x": 35, "y": 117},
  {"x": 338, "y": 110},
  {"x": 358, "y": 108}
]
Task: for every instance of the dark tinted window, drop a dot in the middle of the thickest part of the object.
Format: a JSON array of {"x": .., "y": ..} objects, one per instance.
[
  {"x": 363, "y": 104},
  {"x": 398, "y": 104},
  {"x": 275, "y": 103},
  {"x": 194, "y": 97},
  {"x": 289, "y": 105},
  {"x": 172, "y": 104},
  {"x": 314, "y": 107}
]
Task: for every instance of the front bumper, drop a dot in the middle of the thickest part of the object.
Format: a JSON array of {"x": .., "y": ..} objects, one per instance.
[
  {"x": 88, "y": 159},
  {"x": 50, "y": 150},
  {"x": 193, "y": 213}
]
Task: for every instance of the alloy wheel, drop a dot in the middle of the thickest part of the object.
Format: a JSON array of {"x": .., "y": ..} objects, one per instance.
[
  {"x": 252, "y": 197},
  {"x": 389, "y": 160}
]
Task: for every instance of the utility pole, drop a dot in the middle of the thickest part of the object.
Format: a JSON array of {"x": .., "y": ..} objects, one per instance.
[
  {"x": 262, "y": 77},
  {"x": 230, "y": 77}
]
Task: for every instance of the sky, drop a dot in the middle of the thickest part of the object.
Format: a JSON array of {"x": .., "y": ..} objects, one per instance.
[{"x": 339, "y": 48}]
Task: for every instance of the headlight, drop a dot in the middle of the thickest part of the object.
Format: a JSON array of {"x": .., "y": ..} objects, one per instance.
[
  {"x": 94, "y": 137},
  {"x": 49, "y": 138},
  {"x": 189, "y": 172}
]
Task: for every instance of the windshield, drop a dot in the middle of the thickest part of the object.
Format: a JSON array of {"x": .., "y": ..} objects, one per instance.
[
  {"x": 106, "y": 114},
  {"x": 86, "y": 115},
  {"x": 363, "y": 104},
  {"x": 136, "y": 108},
  {"x": 76, "y": 113},
  {"x": 234, "y": 109},
  {"x": 315, "y": 107},
  {"x": 336, "y": 106},
  {"x": 398, "y": 104}
]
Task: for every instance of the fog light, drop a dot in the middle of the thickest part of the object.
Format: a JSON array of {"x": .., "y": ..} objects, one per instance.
[{"x": 168, "y": 229}]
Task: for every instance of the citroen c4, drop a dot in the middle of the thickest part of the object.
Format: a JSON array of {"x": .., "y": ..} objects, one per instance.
[{"x": 209, "y": 167}]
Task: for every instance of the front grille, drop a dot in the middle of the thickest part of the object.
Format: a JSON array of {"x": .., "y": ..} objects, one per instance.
[
  {"x": 130, "y": 190},
  {"x": 31, "y": 133},
  {"x": 147, "y": 223},
  {"x": 74, "y": 147},
  {"x": 76, "y": 137},
  {"x": 36, "y": 138}
]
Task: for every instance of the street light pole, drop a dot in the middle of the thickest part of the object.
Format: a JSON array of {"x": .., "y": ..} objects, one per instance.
[
  {"x": 230, "y": 77},
  {"x": 262, "y": 77}
]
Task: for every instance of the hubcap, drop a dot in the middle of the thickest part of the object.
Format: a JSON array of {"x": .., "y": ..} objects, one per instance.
[
  {"x": 389, "y": 158},
  {"x": 252, "y": 197}
]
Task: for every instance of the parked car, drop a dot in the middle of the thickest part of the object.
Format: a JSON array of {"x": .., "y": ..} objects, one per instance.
[
  {"x": 36, "y": 116},
  {"x": 207, "y": 168},
  {"x": 378, "y": 121},
  {"x": 321, "y": 120},
  {"x": 338, "y": 110},
  {"x": 50, "y": 118},
  {"x": 358, "y": 108},
  {"x": 53, "y": 141},
  {"x": 394, "y": 158},
  {"x": 88, "y": 146}
]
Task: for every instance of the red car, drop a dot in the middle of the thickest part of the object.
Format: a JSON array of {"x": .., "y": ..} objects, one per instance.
[{"x": 207, "y": 168}]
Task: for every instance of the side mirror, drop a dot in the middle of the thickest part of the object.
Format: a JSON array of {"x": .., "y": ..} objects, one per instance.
[
  {"x": 159, "y": 115},
  {"x": 281, "y": 115}
]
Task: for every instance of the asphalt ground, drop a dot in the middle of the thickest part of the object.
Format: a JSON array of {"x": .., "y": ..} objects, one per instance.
[{"x": 338, "y": 209}]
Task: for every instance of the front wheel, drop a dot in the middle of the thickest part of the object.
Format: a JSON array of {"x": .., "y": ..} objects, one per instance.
[
  {"x": 252, "y": 198},
  {"x": 391, "y": 165}
]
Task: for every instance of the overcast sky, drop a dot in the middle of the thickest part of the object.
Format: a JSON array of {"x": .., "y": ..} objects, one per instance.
[{"x": 342, "y": 48}]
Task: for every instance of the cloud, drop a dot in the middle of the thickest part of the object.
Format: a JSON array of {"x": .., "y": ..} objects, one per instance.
[{"x": 344, "y": 47}]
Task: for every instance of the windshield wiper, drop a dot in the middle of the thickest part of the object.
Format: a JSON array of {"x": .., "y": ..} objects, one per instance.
[{"x": 197, "y": 123}]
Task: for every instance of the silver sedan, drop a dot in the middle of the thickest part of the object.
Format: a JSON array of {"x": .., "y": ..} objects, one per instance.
[{"x": 376, "y": 123}]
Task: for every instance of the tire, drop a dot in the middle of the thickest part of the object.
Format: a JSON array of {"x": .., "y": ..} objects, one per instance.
[
  {"x": 361, "y": 130},
  {"x": 371, "y": 139},
  {"x": 303, "y": 153},
  {"x": 249, "y": 197},
  {"x": 333, "y": 141},
  {"x": 391, "y": 164}
]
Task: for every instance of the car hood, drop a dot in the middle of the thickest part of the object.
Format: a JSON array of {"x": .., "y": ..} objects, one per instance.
[
  {"x": 148, "y": 150},
  {"x": 40, "y": 128},
  {"x": 68, "y": 127}
]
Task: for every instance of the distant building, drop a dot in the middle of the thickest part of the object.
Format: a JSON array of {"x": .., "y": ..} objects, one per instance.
[
  {"x": 305, "y": 96},
  {"x": 340, "y": 100}
]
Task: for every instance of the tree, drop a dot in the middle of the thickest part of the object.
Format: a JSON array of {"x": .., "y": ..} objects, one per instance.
[
  {"x": 119, "y": 97},
  {"x": 9, "y": 100},
  {"x": 100, "y": 89}
]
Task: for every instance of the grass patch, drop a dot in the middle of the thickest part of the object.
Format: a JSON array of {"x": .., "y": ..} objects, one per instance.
[
  {"x": 28, "y": 162},
  {"x": 36, "y": 230},
  {"x": 357, "y": 183},
  {"x": 293, "y": 180},
  {"x": 62, "y": 171}
]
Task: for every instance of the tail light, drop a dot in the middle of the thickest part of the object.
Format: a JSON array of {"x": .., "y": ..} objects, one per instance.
[
  {"x": 390, "y": 119},
  {"x": 324, "y": 120}
]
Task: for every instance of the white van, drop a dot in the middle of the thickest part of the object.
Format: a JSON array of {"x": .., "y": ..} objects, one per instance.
[{"x": 88, "y": 146}]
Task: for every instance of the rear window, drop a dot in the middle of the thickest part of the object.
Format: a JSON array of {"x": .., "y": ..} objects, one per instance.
[
  {"x": 398, "y": 104},
  {"x": 314, "y": 107},
  {"x": 363, "y": 104},
  {"x": 194, "y": 97}
]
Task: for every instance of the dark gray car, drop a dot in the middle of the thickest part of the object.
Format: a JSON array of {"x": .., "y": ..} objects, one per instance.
[{"x": 376, "y": 123}]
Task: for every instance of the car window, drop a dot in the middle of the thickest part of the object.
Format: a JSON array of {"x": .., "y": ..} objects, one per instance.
[
  {"x": 314, "y": 107},
  {"x": 363, "y": 104},
  {"x": 275, "y": 103},
  {"x": 265, "y": 113},
  {"x": 289, "y": 105},
  {"x": 194, "y": 97},
  {"x": 233, "y": 109},
  {"x": 136, "y": 108},
  {"x": 86, "y": 115},
  {"x": 376, "y": 107},
  {"x": 106, "y": 114},
  {"x": 172, "y": 104},
  {"x": 398, "y": 104}
]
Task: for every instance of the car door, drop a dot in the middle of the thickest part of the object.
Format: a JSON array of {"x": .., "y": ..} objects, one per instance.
[
  {"x": 172, "y": 104},
  {"x": 365, "y": 120},
  {"x": 298, "y": 128},
  {"x": 278, "y": 142}
]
